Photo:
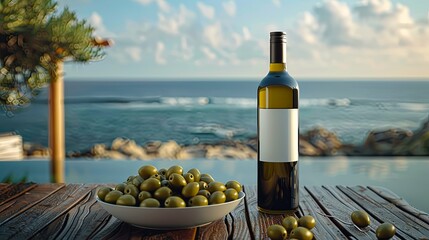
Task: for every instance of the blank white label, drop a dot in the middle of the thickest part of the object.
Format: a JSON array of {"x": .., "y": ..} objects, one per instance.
[{"x": 278, "y": 135}]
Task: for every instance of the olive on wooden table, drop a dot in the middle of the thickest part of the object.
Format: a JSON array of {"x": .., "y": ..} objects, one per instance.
[
  {"x": 277, "y": 232},
  {"x": 157, "y": 176},
  {"x": 150, "y": 202},
  {"x": 112, "y": 196},
  {"x": 234, "y": 184},
  {"x": 216, "y": 186},
  {"x": 162, "y": 172},
  {"x": 150, "y": 185},
  {"x": 217, "y": 197},
  {"x": 198, "y": 200},
  {"x": 196, "y": 173},
  {"x": 165, "y": 183},
  {"x": 102, "y": 192},
  {"x": 126, "y": 200},
  {"x": 144, "y": 195},
  {"x": 385, "y": 231},
  {"x": 137, "y": 181},
  {"x": 231, "y": 194},
  {"x": 290, "y": 223},
  {"x": 191, "y": 189},
  {"x": 301, "y": 233},
  {"x": 174, "y": 202},
  {"x": 146, "y": 171},
  {"x": 132, "y": 190},
  {"x": 307, "y": 222},
  {"x": 203, "y": 185},
  {"x": 360, "y": 218}
]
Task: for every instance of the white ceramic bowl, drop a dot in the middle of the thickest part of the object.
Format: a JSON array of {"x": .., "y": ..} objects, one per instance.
[{"x": 171, "y": 218}]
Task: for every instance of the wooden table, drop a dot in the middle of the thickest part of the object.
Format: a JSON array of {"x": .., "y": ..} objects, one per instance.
[{"x": 69, "y": 211}]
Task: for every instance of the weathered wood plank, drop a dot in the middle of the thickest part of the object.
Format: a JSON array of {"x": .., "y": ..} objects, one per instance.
[
  {"x": 384, "y": 213},
  {"x": 36, "y": 218},
  {"x": 215, "y": 230},
  {"x": 258, "y": 221},
  {"x": 325, "y": 228},
  {"x": 14, "y": 191},
  {"x": 400, "y": 202},
  {"x": 3, "y": 185},
  {"x": 239, "y": 228},
  {"x": 20, "y": 204},
  {"x": 78, "y": 223},
  {"x": 334, "y": 203}
]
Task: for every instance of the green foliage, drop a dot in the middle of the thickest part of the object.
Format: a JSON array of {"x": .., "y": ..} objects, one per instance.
[
  {"x": 11, "y": 179},
  {"x": 33, "y": 36}
]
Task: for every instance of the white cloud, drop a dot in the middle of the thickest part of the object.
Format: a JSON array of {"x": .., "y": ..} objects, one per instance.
[
  {"x": 246, "y": 34},
  {"x": 214, "y": 35},
  {"x": 277, "y": 3},
  {"x": 206, "y": 10},
  {"x": 159, "y": 53},
  {"x": 173, "y": 22},
  {"x": 134, "y": 53},
  {"x": 208, "y": 53},
  {"x": 230, "y": 7},
  {"x": 162, "y": 4},
  {"x": 96, "y": 21}
]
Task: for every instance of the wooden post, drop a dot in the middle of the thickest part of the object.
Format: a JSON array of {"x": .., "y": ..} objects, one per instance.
[{"x": 56, "y": 123}]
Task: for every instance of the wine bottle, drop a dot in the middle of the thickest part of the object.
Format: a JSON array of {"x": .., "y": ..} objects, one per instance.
[{"x": 278, "y": 94}]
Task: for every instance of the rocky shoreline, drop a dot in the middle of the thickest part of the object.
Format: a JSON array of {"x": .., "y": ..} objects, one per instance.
[{"x": 315, "y": 142}]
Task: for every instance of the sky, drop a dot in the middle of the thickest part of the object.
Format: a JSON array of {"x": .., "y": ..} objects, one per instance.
[{"x": 332, "y": 39}]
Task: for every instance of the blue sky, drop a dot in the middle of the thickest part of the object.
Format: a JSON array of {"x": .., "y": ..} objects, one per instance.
[{"x": 229, "y": 38}]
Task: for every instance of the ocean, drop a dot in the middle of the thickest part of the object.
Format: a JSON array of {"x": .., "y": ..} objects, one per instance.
[{"x": 212, "y": 110}]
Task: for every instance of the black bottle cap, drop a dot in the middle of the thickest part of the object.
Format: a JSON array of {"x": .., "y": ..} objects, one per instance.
[
  {"x": 278, "y": 37},
  {"x": 277, "y": 47}
]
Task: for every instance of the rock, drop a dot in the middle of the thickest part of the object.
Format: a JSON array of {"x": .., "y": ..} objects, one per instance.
[
  {"x": 191, "y": 152},
  {"x": 98, "y": 150},
  {"x": 417, "y": 144},
  {"x": 36, "y": 150},
  {"x": 306, "y": 149},
  {"x": 326, "y": 142},
  {"x": 152, "y": 147},
  {"x": 227, "y": 152},
  {"x": 169, "y": 150},
  {"x": 133, "y": 150},
  {"x": 384, "y": 142}
]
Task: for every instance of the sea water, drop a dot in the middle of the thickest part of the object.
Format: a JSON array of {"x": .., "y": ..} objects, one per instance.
[{"x": 198, "y": 111}]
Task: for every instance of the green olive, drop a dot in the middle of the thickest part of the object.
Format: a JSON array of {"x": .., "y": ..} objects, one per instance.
[
  {"x": 385, "y": 231},
  {"x": 102, "y": 192},
  {"x": 360, "y": 218},
  {"x": 174, "y": 202},
  {"x": 198, "y": 200},
  {"x": 203, "y": 185},
  {"x": 277, "y": 232},
  {"x": 196, "y": 173},
  {"x": 162, "y": 171},
  {"x": 207, "y": 178},
  {"x": 126, "y": 200},
  {"x": 189, "y": 177},
  {"x": 121, "y": 187},
  {"x": 231, "y": 194},
  {"x": 290, "y": 223},
  {"x": 150, "y": 202},
  {"x": 146, "y": 171},
  {"x": 301, "y": 233},
  {"x": 174, "y": 169},
  {"x": 234, "y": 184},
  {"x": 130, "y": 178},
  {"x": 217, "y": 197},
  {"x": 204, "y": 193},
  {"x": 307, "y": 222},
  {"x": 137, "y": 181},
  {"x": 112, "y": 196},
  {"x": 144, "y": 195},
  {"x": 162, "y": 193},
  {"x": 157, "y": 176},
  {"x": 177, "y": 181},
  {"x": 216, "y": 186},
  {"x": 150, "y": 185},
  {"x": 131, "y": 190},
  {"x": 191, "y": 189}
]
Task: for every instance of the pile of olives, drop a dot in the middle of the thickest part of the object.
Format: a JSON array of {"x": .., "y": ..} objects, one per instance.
[
  {"x": 170, "y": 188},
  {"x": 299, "y": 229}
]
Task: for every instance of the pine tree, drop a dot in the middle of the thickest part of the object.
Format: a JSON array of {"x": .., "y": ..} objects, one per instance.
[{"x": 33, "y": 36}]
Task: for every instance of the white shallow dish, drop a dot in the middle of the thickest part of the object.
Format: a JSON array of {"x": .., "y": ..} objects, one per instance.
[{"x": 171, "y": 218}]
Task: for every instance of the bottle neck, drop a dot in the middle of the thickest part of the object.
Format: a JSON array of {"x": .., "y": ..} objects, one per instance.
[{"x": 277, "y": 56}]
